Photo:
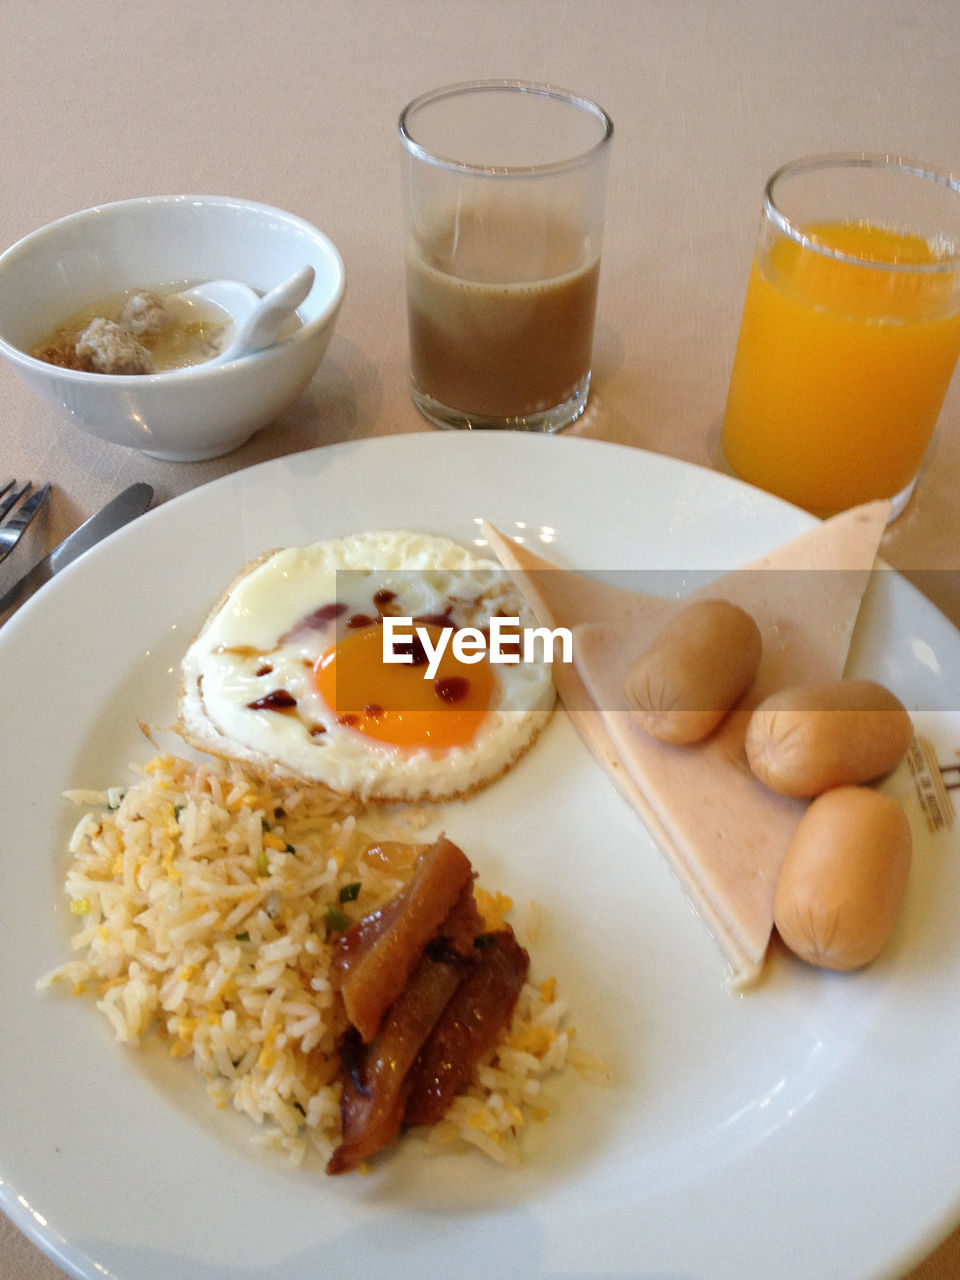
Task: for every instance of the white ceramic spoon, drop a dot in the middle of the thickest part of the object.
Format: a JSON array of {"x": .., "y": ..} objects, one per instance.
[{"x": 256, "y": 321}]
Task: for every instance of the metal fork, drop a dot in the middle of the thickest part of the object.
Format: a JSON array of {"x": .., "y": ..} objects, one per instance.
[{"x": 13, "y": 525}]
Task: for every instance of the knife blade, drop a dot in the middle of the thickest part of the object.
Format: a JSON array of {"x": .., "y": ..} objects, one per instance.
[{"x": 125, "y": 507}]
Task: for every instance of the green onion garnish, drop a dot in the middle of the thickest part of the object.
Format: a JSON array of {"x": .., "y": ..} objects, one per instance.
[{"x": 336, "y": 920}]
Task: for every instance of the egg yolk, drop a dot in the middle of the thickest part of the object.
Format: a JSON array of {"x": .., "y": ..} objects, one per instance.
[{"x": 394, "y": 702}]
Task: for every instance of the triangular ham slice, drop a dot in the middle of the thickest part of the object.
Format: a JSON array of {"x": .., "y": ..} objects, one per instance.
[{"x": 723, "y": 832}]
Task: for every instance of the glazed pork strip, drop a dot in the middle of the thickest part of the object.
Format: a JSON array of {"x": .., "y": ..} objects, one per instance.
[
  {"x": 462, "y": 925},
  {"x": 472, "y": 1022},
  {"x": 376, "y": 1074},
  {"x": 458, "y": 988},
  {"x": 376, "y": 956}
]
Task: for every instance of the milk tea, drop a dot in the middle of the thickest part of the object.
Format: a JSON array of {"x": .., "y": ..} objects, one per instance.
[{"x": 501, "y": 311}]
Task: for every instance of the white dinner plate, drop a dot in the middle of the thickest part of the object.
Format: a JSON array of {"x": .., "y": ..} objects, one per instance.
[{"x": 808, "y": 1130}]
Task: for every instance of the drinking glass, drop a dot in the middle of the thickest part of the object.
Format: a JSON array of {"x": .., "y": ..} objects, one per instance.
[
  {"x": 504, "y": 191},
  {"x": 850, "y": 331}
]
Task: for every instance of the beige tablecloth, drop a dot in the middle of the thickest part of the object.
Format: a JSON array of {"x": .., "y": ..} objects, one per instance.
[{"x": 294, "y": 103}]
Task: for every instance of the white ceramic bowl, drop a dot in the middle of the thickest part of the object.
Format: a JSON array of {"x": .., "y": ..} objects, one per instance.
[{"x": 181, "y": 415}]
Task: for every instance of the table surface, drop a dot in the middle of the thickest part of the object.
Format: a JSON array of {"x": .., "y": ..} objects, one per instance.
[{"x": 294, "y": 103}]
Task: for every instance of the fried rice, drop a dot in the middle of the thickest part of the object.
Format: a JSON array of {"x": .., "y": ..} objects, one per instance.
[{"x": 206, "y": 897}]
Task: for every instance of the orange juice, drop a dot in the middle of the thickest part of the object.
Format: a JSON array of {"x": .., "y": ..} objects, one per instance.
[{"x": 841, "y": 366}]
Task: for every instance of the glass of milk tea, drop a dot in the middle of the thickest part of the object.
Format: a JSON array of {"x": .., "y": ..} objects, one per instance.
[{"x": 504, "y": 188}]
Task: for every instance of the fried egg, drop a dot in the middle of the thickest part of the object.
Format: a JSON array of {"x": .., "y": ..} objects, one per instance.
[{"x": 288, "y": 671}]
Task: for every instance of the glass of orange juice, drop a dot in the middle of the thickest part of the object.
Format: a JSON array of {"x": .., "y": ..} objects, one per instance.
[{"x": 850, "y": 331}]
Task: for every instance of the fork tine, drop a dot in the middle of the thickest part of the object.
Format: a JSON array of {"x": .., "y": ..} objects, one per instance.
[
  {"x": 12, "y": 531},
  {"x": 7, "y": 484},
  {"x": 12, "y": 499}
]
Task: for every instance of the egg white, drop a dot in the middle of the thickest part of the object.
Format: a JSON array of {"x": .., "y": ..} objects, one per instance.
[{"x": 256, "y": 641}]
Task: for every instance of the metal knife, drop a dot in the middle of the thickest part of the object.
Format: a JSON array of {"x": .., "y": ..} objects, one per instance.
[{"x": 125, "y": 507}]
